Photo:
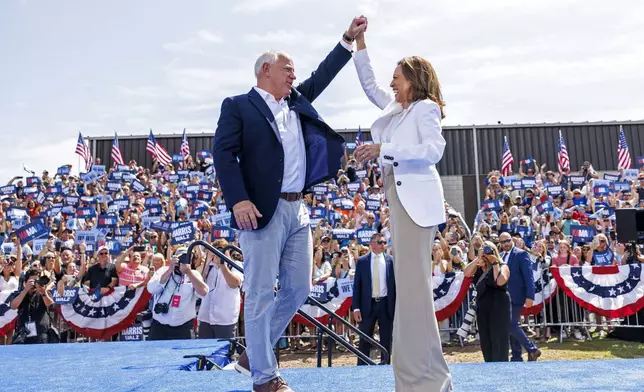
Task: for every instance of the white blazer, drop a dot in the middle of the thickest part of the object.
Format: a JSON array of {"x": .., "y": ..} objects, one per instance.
[{"x": 415, "y": 147}]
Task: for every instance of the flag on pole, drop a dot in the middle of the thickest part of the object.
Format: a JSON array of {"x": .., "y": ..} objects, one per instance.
[
  {"x": 507, "y": 160},
  {"x": 359, "y": 140},
  {"x": 117, "y": 156},
  {"x": 158, "y": 152},
  {"x": 83, "y": 150},
  {"x": 185, "y": 146},
  {"x": 623, "y": 156},
  {"x": 563, "y": 160}
]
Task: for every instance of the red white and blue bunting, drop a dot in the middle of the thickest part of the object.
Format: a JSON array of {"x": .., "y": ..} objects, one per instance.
[
  {"x": 545, "y": 287},
  {"x": 335, "y": 294},
  {"x": 611, "y": 291},
  {"x": 103, "y": 317},
  {"x": 449, "y": 291},
  {"x": 7, "y": 315}
]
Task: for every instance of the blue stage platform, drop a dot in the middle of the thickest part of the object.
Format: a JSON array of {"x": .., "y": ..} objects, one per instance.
[{"x": 154, "y": 366}]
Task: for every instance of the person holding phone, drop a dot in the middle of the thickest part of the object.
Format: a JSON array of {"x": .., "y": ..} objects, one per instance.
[
  {"x": 131, "y": 269},
  {"x": 493, "y": 313}
]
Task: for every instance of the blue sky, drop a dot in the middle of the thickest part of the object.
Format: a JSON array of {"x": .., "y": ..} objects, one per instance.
[{"x": 127, "y": 66}]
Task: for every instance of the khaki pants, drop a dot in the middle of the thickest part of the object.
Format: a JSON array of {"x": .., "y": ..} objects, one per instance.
[{"x": 417, "y": 358}]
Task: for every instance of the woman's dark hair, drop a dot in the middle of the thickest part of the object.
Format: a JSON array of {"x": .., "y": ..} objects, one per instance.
[{"x": 423, "y": 80}]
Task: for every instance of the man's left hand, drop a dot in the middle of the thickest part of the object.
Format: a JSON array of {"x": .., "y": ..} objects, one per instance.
[
  {"x": 358, "y": 25},
  {"x": 528, "y": 302},
  {"x": 185, "y": 269},
  {"x": 367, "y": 152}
]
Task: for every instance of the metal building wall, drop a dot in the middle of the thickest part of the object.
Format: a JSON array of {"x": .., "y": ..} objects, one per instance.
[{"x": 595, "y": 142}]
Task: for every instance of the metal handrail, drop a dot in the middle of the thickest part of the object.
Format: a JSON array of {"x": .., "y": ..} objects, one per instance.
[
  {"x": 328, "y": 311},
  {"x": 307, "y": 317}
]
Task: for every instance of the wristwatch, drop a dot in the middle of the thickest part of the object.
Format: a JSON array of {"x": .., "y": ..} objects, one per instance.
[{"x": 346, "y": 37}]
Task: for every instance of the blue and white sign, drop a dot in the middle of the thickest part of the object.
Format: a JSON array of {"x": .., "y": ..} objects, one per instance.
[
  {"x": 372, "y": 204},
  {"x": 89, "y": 178},
  {"x": 364, "y": 235},
  {"x": 132, "y": 333},
  {"x": 361, "y": 173},
  {"x": 182, "y": 233},
  {"x": 224, "y": 232},
  {"x": 577, "y": 180},
  {"x": 555, "y": 190},
  {"x": 107, "y": 221},
  {"x": 601, "y": 190},
  {"x": 320, "y": 189},
  {"x": 621, "y": 186},
  {"x": 86, "y": 212},
  {"x": 343, "y": 234},
  {"x": 63, "y": 170},
  {"x": 177, "y": 158},
  {"x": 137, "y": 186},
  {"x": 611, "y": 177},
  {"x": 8, "y": 190},
  {"x": 582, "y": 234},
  {"x": 222, "y": 219},
  {"x": 69, "y": 295},
  {"x": 319, "y": 292},
  {"x": 87, "y": 236},
  {"x": 529, "y": 182},
  {"x": 544, "y": 207},
  {"x": 114, "y": 186},
  {"x": 491, "y": 205},
  {"x": 152, "y": 202},
  {"x": 33, "y": 230},
  {"x": 122, "y": 204},
  {"x": 354, "y": 186}
]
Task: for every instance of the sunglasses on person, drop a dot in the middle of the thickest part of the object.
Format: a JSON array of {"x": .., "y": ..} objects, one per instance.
[
  {"x": 505, "y": 241},
  {"x": 381, "y": 242},
  {"x": 102, "y": 254}
]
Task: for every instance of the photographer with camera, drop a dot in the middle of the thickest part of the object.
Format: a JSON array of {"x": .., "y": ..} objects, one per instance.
[
  {"x": 33, "y": 303},
  {"x": 175, "y": 289},
  {"x": 493, "y": 311}
]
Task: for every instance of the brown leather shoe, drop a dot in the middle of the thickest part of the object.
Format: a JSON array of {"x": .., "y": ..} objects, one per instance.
[
  {"x": 532, "y": 357},
  {"x": 243, "y": 365},
  {"x": 275, "y": 385}
]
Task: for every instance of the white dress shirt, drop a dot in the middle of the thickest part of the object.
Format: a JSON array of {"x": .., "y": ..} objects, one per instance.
[
  {"x": 290, "y": 130},
  {"x": 378, "y": 261},
  {"x": 222, "y": 303},
  {"x": 177, "y": 315}
]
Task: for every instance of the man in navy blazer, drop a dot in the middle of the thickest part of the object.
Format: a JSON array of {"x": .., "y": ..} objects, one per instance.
[
  {"x": 374, "y": 296},
  {"x": 270, "y": 147},
  {"x": 521, "y": 289}
]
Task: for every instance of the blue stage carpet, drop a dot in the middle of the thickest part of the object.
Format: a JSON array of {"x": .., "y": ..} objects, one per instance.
[{"x": 153, "y": 366}]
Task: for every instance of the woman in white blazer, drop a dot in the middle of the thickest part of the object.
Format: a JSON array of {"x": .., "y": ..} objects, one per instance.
[{"x": 408, "y": 143}]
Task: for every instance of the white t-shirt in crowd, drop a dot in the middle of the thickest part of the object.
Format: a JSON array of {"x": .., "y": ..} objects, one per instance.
[
  {"x": 180, "y": 310},
  {"x": 222, "y": 303}
]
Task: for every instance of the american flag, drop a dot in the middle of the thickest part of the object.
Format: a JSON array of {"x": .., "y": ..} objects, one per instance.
[
  {"x": 624, "y": 157},
  {"x": 508, "y": 160},
  {"x": 563, "y": 160},
  {"x": 117, "y": 157},
  {"x": 185, "y": 146},
  {"x": 158, "y": 152},
  {"x": 83, "y": 151},
  {"x": 359, "y": 137}
]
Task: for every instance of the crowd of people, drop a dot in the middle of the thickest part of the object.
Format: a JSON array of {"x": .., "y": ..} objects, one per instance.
[{"x": 134, "y": 212}]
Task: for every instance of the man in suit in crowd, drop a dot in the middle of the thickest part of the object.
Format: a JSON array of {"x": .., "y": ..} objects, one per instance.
[
  {"x": 374, "y": 296},
  {"x": 270, "y": 147},
  {"x": 521, "y": 289}
]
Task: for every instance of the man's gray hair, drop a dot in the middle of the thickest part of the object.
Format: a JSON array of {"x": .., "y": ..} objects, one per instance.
[{"x": 269, "y": 57}]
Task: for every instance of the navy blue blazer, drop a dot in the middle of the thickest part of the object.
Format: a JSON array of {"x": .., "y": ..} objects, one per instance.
[
  {"x": 248, "y": 153},
  {"x": 362, "y": 287},
  {"x": 521, "y": 282}
]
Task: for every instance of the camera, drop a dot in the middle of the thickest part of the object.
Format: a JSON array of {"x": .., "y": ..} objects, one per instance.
[
  {"x": 43, "y": 281},
  {"x": 454, "y": 251},
  {"x": 57, "y": 245},
  {"x": 161, "y": 308},
  {"x": 468, "y": 320}
]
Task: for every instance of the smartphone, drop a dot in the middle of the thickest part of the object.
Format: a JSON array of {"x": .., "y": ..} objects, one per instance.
[
  {"x": 57, "y": 245},
  {"x": 139, "y": 248}
]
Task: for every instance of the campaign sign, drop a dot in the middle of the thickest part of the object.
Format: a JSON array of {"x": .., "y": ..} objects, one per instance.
[
  {"x": 353, "y": 186},
  {"x": 517, "y": 185},
  {"x": 345, "y": 287},
  {"x": 639, "y": 161},
  {"x": 86, "y": 212},
  {"x": 30, "y": 190},
  {"x": 153, "y": 211},
  {"x": 318, "y": 212},
  {"x": 128, "y": 177},
  {"x": 197, "y": 213},
  {"x": 204, "y": 195},
  {"x": 555, "y": 190},
  {"x": 491, "y": 205},
  {"x": 7, "y": 248},
  {"x": 161, "y": 226},
  {"x": 320, "y": 189},
  {"x": 98, "y": 169},
  {"x": 221, "y": 208},
  {"x": 223, "y": 232},
  {"x": 33, "y": 230},
  {"x": 631, "y": 173},
  {"x": 350, "y": 145},
  {"x": 222, "y": 219},
  {"x": 88, "y": 236},
  {"x": 343, "y": 234},
  {"x": 122, "y": 204},
  {"x": 114, "y": 186},
  {"x": 33, "y": 181},
  {"x": 17, "y": 223},
  {"x": 72, "y": 201},
  {"x": 611, "y": 177},
  {"x": 132, "y": 333},
  {"x": 582, "y": 233},
  {"x": 577, "y": 180},
  {"x": 196, "y": 174},
  {"x": 69, "y": 295},
  {"x": 319, "y": 292},
  {"x": 191, "y": 195},
  {"x": 137, "y": 186},
  {"x": 183, "y": 174},
  {"x": 63, "y": 170},
  {"x": 107, "y": 221},
  {"x": 372, "y": 204},
  {"x": 174, "y": 178},
  {"x": 164, "y": 190},
  {"x": 523, "y": 231},
  {"x": 601, "y": 190},
  {"x": 8, "y": 190},
  {"x": 620, "y": 186},
  {"x": 149, "y": 220},
  {"x": 89, "y": 178},
  {"x": 114, "y": 247},
  {"x": 364, "y": 235},
  {"x": 38, "y": 245},
  {"x": 182, "y": 233},
  {"x": 40, "y": 197},
  {"x": 346, "y": 204},
  {"x": 203, "y": 154},
  {"x": 122, "y": 168},
  {"x": 529, "y": 182},
  {"x": 152, "y": 202},
  {"x": 361, "y": 173},
  {"x": 192, "y": 188},
  {"x": 544, "y": 207},
  {"x": 54, "y": 190},
  {"x": 177, "y": 158},
  {"x": 116, "y": 176},
  {"x": 16, "y": 212}
]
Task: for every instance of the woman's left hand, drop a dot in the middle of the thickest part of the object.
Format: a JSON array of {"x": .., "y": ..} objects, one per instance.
[{"x": 367, "y": 152}]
